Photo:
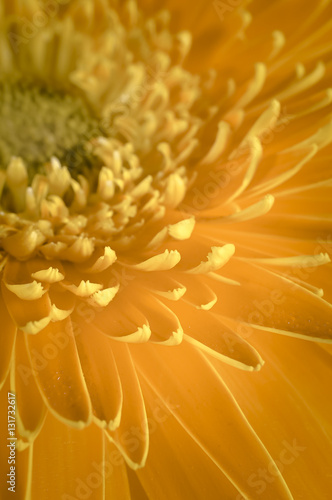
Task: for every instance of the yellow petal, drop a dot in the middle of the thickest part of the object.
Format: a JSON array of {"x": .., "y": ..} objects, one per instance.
[
  {"x": 27, "y": 291},
  {"x": 54, "y": 359},
  {"x": 30, "y": 406},
  {"x": 101, "y": 375},
  {"x": 50, "y": 275},
  {"x": 84, "y": 289},
  {"x": 6, "y": 341},
  {"x": 161, "y": 262},
  {"x": 103, "y": 297},
  {"x": 217, "y": 258},
  {"x": 132, "y": 436},
  {"x": 183, "y": 367}
]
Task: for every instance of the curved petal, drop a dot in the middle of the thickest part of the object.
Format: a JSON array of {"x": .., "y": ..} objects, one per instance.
[
  {"x": 6, "y": 341},
  {"x": 288, "y": 402},
  {"x": 77, "y": 471},
  {"x": 26, "y": 317},
  {"x": 208, "y": 333},
  {"x": 207, "y": 410},
  {"x": 164, "y": 324},
  {"x": 100, "y": 374},
  {"x": 121, "y": 319},
  {"x": 56, "y": 366},
  {"x": 117, "y": 483},
  {"x": 30, "y": 406},
  {"x": 268, "y": 300},
  {"x": 22, "y": 466},
  {"x": 194, "y": 474},
  {"x": 132, "y": 435}
]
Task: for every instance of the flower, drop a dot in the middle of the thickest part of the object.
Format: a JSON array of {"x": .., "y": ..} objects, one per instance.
[{"x": 164, "y": 232}]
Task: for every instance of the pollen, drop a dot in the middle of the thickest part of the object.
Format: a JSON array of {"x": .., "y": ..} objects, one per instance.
[{"x": 37, "y": 123}]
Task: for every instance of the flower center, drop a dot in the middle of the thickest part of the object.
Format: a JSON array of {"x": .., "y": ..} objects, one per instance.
[
  {"x": 37, "y": 123},
  {"x": 97, "y": 166}
]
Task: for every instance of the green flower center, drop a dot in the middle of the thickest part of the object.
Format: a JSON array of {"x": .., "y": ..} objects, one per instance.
[{"x": 37, "y": 123}]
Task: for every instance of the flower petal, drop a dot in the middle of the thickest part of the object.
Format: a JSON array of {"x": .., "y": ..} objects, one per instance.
[
  {"x": 217, "y": 258},
  {"x": 27, "y": 291},
  {"x": 121, "y": 320},
  {"x": 50, "y": 275},
  {"x": 7, "y": 341},
  {"x": 80, "y": 469},
  {"x": 291, "y": 388},
  {"x": 267, "y": 300},
  {"x": 58, "y": 373},
  {"x": 84, "y": 289},
  {"x": 132, "y": 435},
  {"x": 21, "y": 455},
  {"x": 162, "y": 262},
  {"x": 29, "y": 319},
  {"x": 30, "y": 406},
  {"x": 164, "y": 324},
  {"x": 194, "y": 474},
  {"x": 117, "y": 484},
  {"x": 100, "y": 374},
  {"x": 169, "y": 373},
  {"x": 100, "y": 261},
  {"x": 208, "y": 333}
]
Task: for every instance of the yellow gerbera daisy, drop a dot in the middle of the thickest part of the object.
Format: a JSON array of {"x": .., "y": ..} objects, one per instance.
[{"x": 165, "y": 230}]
